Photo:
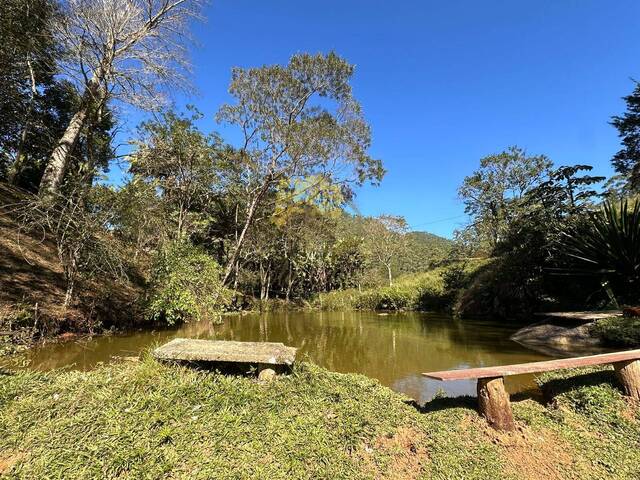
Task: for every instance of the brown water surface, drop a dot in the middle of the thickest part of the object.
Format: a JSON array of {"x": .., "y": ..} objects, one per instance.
[{"x": 393, "y": 348}]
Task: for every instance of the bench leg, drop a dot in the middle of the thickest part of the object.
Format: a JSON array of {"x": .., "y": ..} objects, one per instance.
[
  {"x": 628, "y": 374},
  {"x": 494, "y": 404}
]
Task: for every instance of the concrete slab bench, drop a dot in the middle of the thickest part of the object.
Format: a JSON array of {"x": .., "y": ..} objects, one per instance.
[
  {"x": 493, "y": 399},
  {"x": 262, "y": 354}
]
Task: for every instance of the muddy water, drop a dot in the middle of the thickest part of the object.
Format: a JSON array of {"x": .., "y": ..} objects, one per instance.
[{"x": 393, "y": 348}]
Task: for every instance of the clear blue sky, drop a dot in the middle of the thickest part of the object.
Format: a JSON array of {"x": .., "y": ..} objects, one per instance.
[{"x": 445, "y": 82}]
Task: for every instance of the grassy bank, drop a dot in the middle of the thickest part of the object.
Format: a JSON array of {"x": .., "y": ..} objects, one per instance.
[
  {"x": 151, "y": 421},
  {"x": 436, "y": 289},
  {"x": 618, "y": 331}
]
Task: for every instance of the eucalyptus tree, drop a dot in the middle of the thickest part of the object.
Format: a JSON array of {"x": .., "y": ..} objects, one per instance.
[
  {"x": 297, "y": 121},
  {"x": 131, "y": 50}
]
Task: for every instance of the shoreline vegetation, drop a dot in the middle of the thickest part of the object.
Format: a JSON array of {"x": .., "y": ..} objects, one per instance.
[
  {"x": 192, "y": 223},
  {"x": 144, "y": 420}
]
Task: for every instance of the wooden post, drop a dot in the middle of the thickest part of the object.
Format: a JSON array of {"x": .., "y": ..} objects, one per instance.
[
  {"x": 494, "y": 404},
  {"x": 628, "y": 374}
]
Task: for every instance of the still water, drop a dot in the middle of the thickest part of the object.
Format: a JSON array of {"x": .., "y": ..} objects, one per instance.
[{"x": 393, "y": 348}]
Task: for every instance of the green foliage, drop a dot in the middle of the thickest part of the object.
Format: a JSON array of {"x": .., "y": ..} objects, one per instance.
[
  {"x": 185, "y": 285},
  {"x": 590, "y": 413},
  {"x": 492, "y": 194},
  {"x": 424, "y": 251},
  {"x": 433, "y": 290},
  {"x": 607, "y": 246},
  {"x": 627, "y": 161},
  {"x": 528, "y": 254},
  {"x": 618, "y": 331},
  {"x": 151, "y": 420}
]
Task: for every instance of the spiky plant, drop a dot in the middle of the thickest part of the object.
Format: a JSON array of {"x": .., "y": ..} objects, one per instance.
[{"x": 608, "y": 244}]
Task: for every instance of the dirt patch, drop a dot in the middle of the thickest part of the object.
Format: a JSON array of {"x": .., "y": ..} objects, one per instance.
[
  {"x": 8, "y": 460},
  {"x": 33, "y": 286},
  {"x": 533, "y": 455},
  {"x": 406, "y": 453}
]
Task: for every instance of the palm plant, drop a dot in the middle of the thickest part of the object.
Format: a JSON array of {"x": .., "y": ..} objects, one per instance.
[{"x": 608, "y": 244}]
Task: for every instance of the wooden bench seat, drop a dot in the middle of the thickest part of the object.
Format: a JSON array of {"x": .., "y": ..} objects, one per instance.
[{"x": 493, "y": 399}]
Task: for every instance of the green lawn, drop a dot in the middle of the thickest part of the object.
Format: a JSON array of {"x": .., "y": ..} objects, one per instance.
[{"x": 147, "y": 420}]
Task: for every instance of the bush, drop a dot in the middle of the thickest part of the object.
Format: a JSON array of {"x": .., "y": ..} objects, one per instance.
[
  {"x": 618, "y": 331},
  {"x": 423, "y": 291},
  {"x": 185, "y": 285}
]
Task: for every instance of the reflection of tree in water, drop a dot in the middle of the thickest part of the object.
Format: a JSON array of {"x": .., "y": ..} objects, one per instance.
[{"x": 394, "y": 348}]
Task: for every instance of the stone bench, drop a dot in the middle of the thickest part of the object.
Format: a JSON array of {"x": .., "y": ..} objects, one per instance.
[
  {"x": 264, "y": 355},
  {"x": 493, "y": 399}
]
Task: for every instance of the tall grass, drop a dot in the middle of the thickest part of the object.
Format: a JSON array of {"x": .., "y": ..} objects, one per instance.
[{"x": 422, "y": 291}]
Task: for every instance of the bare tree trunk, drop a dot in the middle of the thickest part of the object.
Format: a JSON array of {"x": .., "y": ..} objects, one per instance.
[
  {"x": 54, "y": 172},
  {"x": 240, "y": 241},
  {"x": 289, "y": 282},
  {"x": 93, "y": 96},
  {"x": 389, "y": 273}
]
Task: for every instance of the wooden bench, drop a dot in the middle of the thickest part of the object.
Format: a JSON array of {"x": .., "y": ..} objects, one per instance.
[
  {"x": 264, "y": 355},
  {"x": 493, "y": 399}
]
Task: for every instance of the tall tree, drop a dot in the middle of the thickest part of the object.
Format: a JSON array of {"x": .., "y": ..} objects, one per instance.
[
  {"x": 627, "y": 161},
  {"x": 387, "y": 240},
  {"x": 297, "y": 121},
  {"x": 493, "y": 192},
  {"x": 28, "y": 54},
  {"x": 180, "y": 162},
  {"x": 132, "y": 50}
]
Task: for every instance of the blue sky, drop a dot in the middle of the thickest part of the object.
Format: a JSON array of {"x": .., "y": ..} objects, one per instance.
[{"x": 444, "y": 83}]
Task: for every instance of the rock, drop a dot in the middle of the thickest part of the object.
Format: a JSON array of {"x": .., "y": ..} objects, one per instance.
[
  {"x": 555, "y": 335},
  {"x": 267, "y": 375}
]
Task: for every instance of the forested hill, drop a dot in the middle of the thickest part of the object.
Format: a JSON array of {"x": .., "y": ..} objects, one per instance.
[{"x": 424, "y": 251}]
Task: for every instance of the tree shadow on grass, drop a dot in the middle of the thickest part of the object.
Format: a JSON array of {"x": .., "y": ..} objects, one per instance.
[
  {"x": 545, "y": 395},
  {"x": 444, "y": 403}
]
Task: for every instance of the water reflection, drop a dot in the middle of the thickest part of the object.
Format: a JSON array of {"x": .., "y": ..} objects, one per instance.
[{"x": 395, "y": 348}]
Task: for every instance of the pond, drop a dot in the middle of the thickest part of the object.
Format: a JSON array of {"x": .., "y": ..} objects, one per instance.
[{"x": 393, "y": 348}]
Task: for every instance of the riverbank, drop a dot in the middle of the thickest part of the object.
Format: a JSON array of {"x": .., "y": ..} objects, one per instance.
[
  {"x": 147, "y": 420},
  {"x": 575, "y": 333},
  {"x": 434, "y": 290}
]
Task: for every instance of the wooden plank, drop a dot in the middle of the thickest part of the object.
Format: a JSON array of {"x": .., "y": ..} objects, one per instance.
[
  {"x": 582, "y": 316},
  {"x": 535, "y": 367},
  {"x": 186, "y": 349}
]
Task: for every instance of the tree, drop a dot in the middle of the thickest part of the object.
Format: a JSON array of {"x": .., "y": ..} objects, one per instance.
[
  {"x": 627, "y": 161},
  {"x": 28, "y": 54},
  {"x": 297, "y": 121},
  {"x": 493, "y": 193},
  {"x": 180, "y": 162},
  {"x": 79, "y": 226},
  {"x": 386, "y": 240},
  {"x": 132, "y": 50}
]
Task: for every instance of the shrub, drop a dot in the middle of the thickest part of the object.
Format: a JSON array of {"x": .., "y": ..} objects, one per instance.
[
  {"x": 186, "y": 285},
  {"x": 423, "y": 291},
  {"x": 618, "y": 331},
  {"x": 608, "y": 247}
]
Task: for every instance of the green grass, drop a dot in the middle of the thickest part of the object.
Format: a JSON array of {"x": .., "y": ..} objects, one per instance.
[
  {"x": 426, "y": 291},
  {"x": 618, "y": 331},
  {"x": 147, "y": 420}
]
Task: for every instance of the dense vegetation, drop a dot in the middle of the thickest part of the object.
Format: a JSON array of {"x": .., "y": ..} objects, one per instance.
[
  {"x": 199, "y": 224},
  {"x": 147, "y": 421}
]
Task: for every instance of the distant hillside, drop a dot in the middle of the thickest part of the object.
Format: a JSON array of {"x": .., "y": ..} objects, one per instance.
[{"x": 425, "y": 251}]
